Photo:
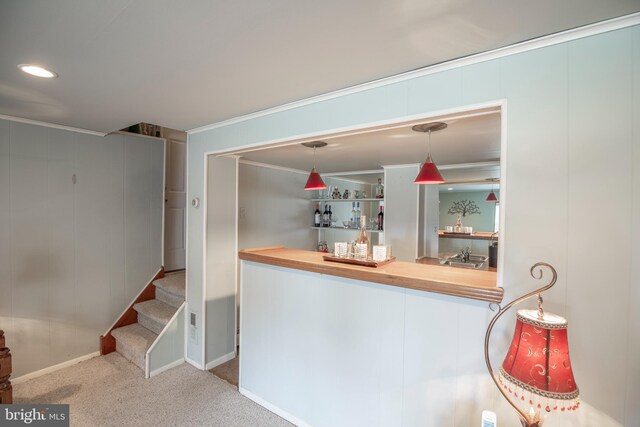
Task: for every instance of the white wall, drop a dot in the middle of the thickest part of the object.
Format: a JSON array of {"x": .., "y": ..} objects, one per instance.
[
  {"x": 73, "y": 256},
  {"x": 277, "y": 209},
  {"x": 569, "y": 177},
  {"x": 401, "y": 211},
  {"x": 364, "y": 354}
]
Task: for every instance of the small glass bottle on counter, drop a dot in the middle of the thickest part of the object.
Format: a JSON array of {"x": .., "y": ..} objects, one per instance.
[{"x": 362, "y": 241}]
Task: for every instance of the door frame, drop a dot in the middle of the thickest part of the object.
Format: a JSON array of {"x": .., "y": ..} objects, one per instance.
[{"x": 205, "y": 211}]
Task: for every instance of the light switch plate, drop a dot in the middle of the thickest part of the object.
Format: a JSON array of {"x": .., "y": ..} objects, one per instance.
[{"x": 192, "y": 319}]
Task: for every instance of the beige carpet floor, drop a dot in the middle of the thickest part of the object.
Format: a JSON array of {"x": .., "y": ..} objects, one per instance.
[{"x": 110, "y": 391}]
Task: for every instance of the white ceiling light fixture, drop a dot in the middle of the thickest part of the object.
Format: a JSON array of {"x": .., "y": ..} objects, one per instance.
[{"x": 37, "y": 71}]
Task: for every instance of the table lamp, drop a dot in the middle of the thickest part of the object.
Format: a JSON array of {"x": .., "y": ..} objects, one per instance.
[{"x": 537, "y": 370}]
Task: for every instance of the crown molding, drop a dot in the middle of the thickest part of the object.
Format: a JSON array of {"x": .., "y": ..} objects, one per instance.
[
  {"x": 268, "y": 166},
  {"x": 51, "y": 125},
  {"x": 525, "y": 46}
]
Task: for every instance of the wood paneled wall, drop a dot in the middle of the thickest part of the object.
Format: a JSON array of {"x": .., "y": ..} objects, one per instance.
[
  {"x": 573, "y": 169},
  {"x": 73, "y": 255}
]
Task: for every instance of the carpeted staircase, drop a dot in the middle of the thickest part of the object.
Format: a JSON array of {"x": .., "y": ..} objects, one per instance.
[{"x": 133, "y": 341}]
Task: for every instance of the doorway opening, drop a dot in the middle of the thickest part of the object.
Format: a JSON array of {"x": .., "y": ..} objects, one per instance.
[{"x": 271, "y": 207}]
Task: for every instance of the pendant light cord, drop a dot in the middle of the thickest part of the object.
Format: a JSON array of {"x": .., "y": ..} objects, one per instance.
[{"x": 314, "y": 157}]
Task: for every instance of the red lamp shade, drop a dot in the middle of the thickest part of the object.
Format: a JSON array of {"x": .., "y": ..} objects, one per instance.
[
  {"x": 429, "y": 174},
  {"x": 537, "y": 369},
  {"x": 491, "y": 197},
  {"x": 315, "y": 181}
]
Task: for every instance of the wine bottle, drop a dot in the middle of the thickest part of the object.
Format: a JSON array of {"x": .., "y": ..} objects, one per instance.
[
  {"x": 325, "y": 217},
  {"x": 362, "y": 241},
  {"x": 380, "y": 219},
  {"x": 330, "y": 216},
  {"x": 317, "y": 216}
]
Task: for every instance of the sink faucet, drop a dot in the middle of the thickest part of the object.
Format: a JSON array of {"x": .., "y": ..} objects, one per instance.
[{"x": 464, "y": 255}]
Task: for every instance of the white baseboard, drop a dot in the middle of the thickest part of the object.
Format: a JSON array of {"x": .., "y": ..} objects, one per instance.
[
  {"x": 166, "y": 367},
  {"x": 193, "y": 363},
  {"x": 53, "y": 368},
  {"x": 220, "y": 360},
  {"x": 272, "y": 408}
]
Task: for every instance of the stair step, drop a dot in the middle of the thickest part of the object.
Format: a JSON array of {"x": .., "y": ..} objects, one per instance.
[
  {"x": 154, "y": 314},
  {"x": 133, "y": 341},
  {"x": 173, "y": 283},
  {"x": 168, "y": 298}
]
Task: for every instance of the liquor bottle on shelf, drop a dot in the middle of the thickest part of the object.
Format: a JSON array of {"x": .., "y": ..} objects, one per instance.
[
  {"x": 325, "y": 217},
  {"x": 357, "y": 212},
  {"x": 353, "y": 215},
  {"x": 330, "y": 216},
  {"x": 317, "y": 216},
  {"x": 378, "y": 190},
  {"x": 381, "y": 219},
  {"x": 362, "y": 241}
]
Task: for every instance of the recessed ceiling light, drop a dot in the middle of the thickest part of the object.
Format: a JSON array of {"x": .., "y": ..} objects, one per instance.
[
  {"x": 450, "y": 188},
  {"x": 34, "y": 70}
]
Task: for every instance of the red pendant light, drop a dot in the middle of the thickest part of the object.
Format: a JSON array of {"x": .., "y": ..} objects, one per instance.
[
  {"x": 315, "y": 181},
  {"x": 429, "y": 173},
  {"x": 491, "y": 197}
]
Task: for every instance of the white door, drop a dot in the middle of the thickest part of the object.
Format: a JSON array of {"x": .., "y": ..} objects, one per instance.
[{"x": 175, "y": 198}]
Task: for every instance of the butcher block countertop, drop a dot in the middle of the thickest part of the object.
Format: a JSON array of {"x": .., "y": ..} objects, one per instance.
[{"x": 473, "y": 284}]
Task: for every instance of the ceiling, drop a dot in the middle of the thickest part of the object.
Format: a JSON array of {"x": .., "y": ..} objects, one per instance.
[
  {"x": 185, "y": 65},
  {"x": 474, "y": 139}
]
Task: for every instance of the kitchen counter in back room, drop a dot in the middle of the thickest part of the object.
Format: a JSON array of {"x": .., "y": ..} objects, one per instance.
[{"x": 437, "y": 261}]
